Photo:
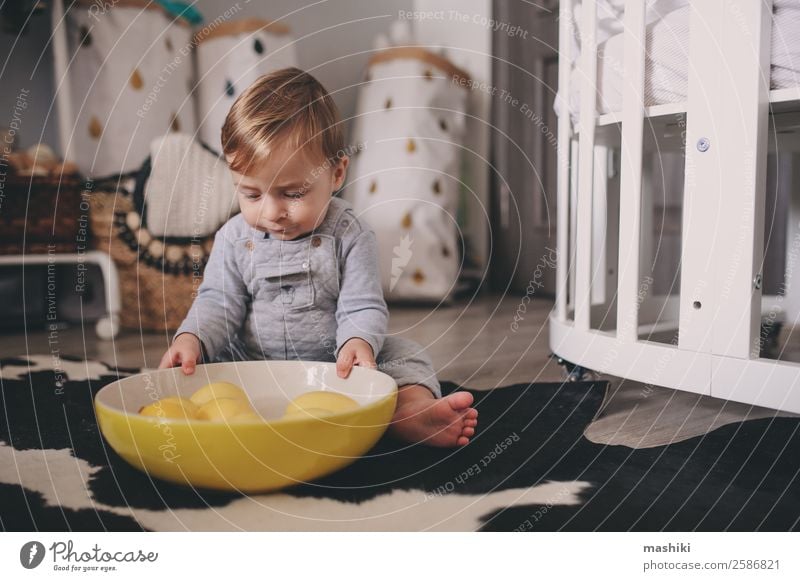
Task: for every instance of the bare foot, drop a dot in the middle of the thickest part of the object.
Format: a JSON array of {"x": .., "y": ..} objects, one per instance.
[{"x": 445, "y": 422}]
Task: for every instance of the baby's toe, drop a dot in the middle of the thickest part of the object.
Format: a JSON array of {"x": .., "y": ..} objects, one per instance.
[
  {"x": 471, "y": 423},
  {"x": 462, "y": 441},
  {"x": 471, "y": 414},
  {"x": 469, "y": 432},
  {"x": 460, "y": 400}
]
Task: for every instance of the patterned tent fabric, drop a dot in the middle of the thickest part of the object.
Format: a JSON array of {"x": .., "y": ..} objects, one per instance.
[
  {"x": 231, "y": 58},
  {"x": 131, "y": 82},
  {"x": 405, "y": 177}
]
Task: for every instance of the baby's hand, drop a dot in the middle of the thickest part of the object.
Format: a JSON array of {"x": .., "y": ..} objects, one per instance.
[
  {"x": 185, "y": 351},
  {"x": 355, "y": 351}
]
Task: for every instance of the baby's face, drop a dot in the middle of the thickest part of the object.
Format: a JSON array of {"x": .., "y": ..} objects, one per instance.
[{"x": 287, "y": 195}]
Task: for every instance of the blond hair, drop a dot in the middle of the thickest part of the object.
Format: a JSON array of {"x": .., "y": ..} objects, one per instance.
[{"x": 287, "y": 106}]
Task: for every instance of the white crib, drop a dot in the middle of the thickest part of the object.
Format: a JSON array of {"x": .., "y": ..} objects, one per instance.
[{"x": 605, "y": 312}]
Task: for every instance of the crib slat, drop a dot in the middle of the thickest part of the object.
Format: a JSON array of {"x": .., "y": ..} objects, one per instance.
[
  {"x": 573, "y": 219},
  {"x": 600, "y": 294},
  {"x": 739, "y": 248},
  {"x": 565, "y": 33},
  {"x": 630, "y": 211},
  {"x": 701, "y": 190},
  {"x": 722, "y": 242},
  {"x": 588, "y": 115}
]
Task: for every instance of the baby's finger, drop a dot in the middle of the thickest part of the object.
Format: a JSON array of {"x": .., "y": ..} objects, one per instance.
[
  {"x": 187, "y": 363},
  {"x": 166, "y": 360},
  {"x": 164, "y": 363},
  {"x": 368, "y": 362},
  {"x": 345, "y": 363}
]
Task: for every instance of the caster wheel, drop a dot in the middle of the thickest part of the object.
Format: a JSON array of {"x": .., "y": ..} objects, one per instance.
[
  {"x": 573, "y": 372},
  {"x": 107, "y": 327},
  {"x": 578, "y": 373}
]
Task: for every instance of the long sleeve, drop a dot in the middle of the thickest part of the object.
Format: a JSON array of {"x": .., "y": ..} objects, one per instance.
[
  {"x": 219, "y": 309},
  {"x": 361, "y": 310}
]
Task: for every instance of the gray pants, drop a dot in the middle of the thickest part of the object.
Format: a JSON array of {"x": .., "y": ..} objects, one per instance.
[{"x": 403, "y": 360}]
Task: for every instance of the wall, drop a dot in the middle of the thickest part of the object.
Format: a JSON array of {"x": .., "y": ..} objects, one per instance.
[{"x": 27, "y": 64}]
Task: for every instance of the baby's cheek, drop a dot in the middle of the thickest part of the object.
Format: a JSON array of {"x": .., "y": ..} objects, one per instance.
[
  {"x": 306, "y": 217},
  {"x": 244, "y": 213},
  {"x": 247, "y": 213}
]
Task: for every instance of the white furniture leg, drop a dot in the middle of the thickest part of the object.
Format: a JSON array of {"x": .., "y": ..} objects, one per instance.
[{"x": 108, "y": 326}]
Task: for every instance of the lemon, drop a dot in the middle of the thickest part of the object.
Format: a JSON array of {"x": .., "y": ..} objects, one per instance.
[
  {"x": 320, "y": 402},
  {"x": 171, "y": 407},
  {"x": 223, "y": 408},
  {"x": 307, "y": 412},
  {"x": 216, "y": 390},
  {"x": 248, "y": 416}
]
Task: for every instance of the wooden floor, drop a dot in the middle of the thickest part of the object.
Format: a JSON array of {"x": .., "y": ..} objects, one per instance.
[{"x": 472, "y": 343}]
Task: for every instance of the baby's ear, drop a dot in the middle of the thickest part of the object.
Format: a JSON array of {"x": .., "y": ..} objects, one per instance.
[{"x": 340, "y": 172}]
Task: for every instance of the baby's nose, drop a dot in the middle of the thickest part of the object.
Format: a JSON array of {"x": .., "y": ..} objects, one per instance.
[{"x": 272, "y": 211}]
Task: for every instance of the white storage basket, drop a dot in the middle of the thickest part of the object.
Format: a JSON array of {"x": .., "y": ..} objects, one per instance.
[
  {"x": 405, "y": 176},
  {"x": 131, "y": 81},
  {"x": 230, "y": 58}
]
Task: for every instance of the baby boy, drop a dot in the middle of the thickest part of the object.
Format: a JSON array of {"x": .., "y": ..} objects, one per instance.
[{"x": 295, "y": 274}]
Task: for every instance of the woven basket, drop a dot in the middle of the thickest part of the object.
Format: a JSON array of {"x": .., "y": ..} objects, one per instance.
[
  {"x": 158, "y": 278},
  {"x": 43, "y": 213}
]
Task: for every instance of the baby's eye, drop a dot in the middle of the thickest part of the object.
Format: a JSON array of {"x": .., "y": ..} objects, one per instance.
[
  {"x": 253, "y": 196},
  {"x": 294, "y": 195}
]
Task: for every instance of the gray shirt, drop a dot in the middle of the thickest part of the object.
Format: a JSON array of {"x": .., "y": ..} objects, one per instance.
[{"x": 295, "y": 299}]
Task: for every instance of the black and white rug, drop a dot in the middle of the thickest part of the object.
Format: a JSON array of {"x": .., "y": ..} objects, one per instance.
[{"x": 529, "y": 467}]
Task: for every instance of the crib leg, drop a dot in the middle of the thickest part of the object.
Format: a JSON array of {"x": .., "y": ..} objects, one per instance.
[{"x": 573, "y": 372}]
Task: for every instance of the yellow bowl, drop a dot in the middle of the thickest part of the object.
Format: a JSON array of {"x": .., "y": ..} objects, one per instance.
[{"x": 251, "y": 455}]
